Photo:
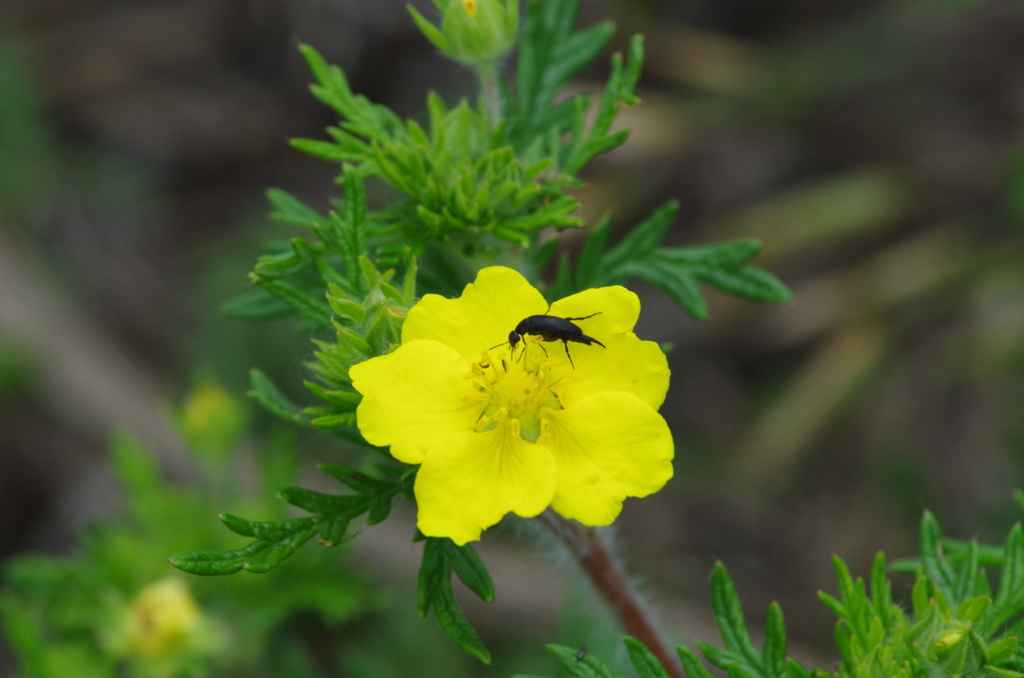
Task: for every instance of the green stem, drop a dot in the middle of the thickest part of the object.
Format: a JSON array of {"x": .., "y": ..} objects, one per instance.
[
  {"x": 489, "y": 91},
  {"x": 591, "y": 552}
]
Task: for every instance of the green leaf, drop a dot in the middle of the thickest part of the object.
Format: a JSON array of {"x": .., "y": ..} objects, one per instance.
[
  {"x": 257, "y": 306},
  {"x": 589, "y": 265},
  {"x": 1012, "y": 578},
  {"x": 343, "y": 306},
  {"x": 434, "y": 569},
  {"x": 967, "y": 579},
  {"x": 774, "y": 653},
  {"x": 747, "y": 282},
  {"x": 691, "y": 663},
  {"x": 302, "y": 301},
  {"x": 881, "y": 589},
  {"x": 322, "y": 149},
  {"x": 1002, "y": 650},
  {"x": 935, "y": 566},
  {"x": 646, "y": 664},
  {"x": 795, "y": 669},
  {"x": 729, "y": 616},
  {"x": 586, "y": 666},
  {"x": 290, "y": 210},
  {"x": 267, "y": 394},
  {"x": 471, "y": 570},
  {"x": 675, "y": 282},
  {"x": 258, "y": 557},
  {"x": 433, "y": 34},
  {"x": 644, "y": 237},
  {"x": 357, "y": 480},
  {"x": 455, "y": 625}
]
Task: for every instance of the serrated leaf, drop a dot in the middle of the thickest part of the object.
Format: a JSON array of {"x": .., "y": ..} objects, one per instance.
[
  {"x": 344, "y": 400},
  {"x": 646, "y": 664},
  {"x": 796, "y": 670},
  {"x": 335, "y": 421},
  {"x": 729, "y": 616},
  {"x": 589, "y": 264},
  {"x": 357, "y": 480},
  {"x": 470, "y": 569},
  {"x": 881, "y": 589},
  {"x": 380, "y": 509},
  {"x": 643, "y": 237},
  {"x": 586, "y": 666},
  {"x": 434, "y": 569},
  {"x": 774, "y": 653},
  {"x": 747, "y": 282},
  {"x": 935, "y": 566},
  {"x": 329, "y": 504},
  {"x": 1001, "y": 650},
  {"x": 256, "y": 306},
  {"x": 270, "y": 397},
  {"x": 675, "y": 282},
  {"x": 302, "y": 301},
  {"x": 691, "y": 663},
  {"x": 455, "y": 625},
  {"x": 321, "y": 149},
  {"x": 290, "y": 210},
  {"x": 344, "y": 307},
  {"x": 1012, "y": 577}
]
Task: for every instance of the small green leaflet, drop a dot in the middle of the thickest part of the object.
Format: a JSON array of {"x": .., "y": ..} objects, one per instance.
[
  {"x": 275, "y": 541},
  {"x": 441, "y": 557}
]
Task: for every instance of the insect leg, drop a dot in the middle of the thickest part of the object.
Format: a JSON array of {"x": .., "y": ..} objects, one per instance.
[{"x": 568, "y": 354}]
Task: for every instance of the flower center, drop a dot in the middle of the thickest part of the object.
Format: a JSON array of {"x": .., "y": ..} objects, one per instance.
[{"x": 519, "y": 386}]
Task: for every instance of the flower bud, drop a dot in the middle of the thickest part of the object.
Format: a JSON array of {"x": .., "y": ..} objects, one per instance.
[{"x": 474, "y": 32}]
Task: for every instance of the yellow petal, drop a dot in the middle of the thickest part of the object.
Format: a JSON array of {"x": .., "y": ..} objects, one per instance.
[
  {"x": 482, "y": 317},
  {"x": 414, "y": 396},
  {"x": 608, "y": 447},
  {"x": 625, "y": 364},
  {"x": 469, "y": 481},
  {"x": 619, "y": 308}
]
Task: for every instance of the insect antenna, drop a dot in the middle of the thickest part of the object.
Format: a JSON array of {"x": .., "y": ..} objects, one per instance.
[{"x": 586, "y": 316}]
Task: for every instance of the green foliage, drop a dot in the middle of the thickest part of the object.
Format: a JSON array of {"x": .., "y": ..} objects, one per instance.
[
  {"x": 441, "y": 557},
  {"x": 72, "y": 616},
  {"x": 675, "y": 270},
  {"x": 274, "y": 541},
  {"x": 954, "y": 627}
]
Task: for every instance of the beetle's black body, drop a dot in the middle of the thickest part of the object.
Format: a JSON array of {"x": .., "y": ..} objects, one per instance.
[{"x": 552, "y": 328}]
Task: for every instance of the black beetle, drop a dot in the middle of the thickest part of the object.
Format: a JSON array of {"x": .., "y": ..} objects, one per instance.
[{"x": 552, "y": 328}]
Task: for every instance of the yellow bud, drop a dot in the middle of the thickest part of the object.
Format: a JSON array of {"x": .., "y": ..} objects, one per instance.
[
  {"x": 162, "y": 620},
  {"x": 948, "y": 640},
  {"x": 470, "y": 6}
]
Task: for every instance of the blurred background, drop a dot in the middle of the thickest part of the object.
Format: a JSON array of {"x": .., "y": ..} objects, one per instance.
[{"x": 876, "y": 147}]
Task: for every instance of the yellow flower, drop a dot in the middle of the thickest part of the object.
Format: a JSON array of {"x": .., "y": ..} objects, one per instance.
[
  {"x": 497, "y": 430},
  {"x": 162, "y": 620}
]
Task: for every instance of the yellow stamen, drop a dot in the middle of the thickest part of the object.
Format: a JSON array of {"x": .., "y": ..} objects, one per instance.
[
  {"x": 470, "y": 6},
  {"x": 501, "y": 414},
  {"x": 482, "y": 424},
  {"x": 516, "y": 428},
  {"x": 545, "y": 427}
]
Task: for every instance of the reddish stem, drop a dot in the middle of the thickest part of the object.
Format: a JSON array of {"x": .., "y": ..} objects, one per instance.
[{"x": 590, "y": 551}]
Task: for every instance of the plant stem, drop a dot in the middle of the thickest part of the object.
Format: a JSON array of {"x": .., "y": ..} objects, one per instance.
[
  {"x": 489, "y": 91},
  {"x": 591, "y": 552}
]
